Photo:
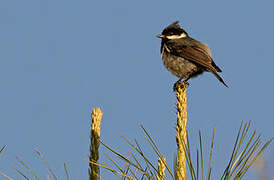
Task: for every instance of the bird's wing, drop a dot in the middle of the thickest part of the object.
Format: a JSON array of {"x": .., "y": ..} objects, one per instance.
[
  {"x": 198, "y": 56},
  {"x": 205, "y": 47},
  {"x": 195, "y": 54}
]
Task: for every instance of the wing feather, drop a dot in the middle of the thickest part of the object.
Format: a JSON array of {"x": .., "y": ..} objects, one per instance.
[{"x": 195, "y": 54}]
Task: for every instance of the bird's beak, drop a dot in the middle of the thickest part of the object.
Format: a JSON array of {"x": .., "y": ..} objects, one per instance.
[{"x": 160, "y": 36}]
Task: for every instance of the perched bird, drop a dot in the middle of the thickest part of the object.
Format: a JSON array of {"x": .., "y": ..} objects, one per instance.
[{"x": 184, "y": 56}]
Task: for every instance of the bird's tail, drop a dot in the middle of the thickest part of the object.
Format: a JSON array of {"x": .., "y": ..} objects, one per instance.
[
  {"x": 219, "y": 78},
  {"x": 216, "y": 67}
]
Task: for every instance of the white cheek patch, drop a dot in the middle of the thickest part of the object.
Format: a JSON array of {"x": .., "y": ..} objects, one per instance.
[{"x": 183, "y": 35}]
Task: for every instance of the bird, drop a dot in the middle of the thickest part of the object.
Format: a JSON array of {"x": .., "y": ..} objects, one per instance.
[{"x": 184, "y": 56}]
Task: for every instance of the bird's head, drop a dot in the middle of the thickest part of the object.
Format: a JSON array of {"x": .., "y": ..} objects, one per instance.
[{"x": 173, "y": 31}]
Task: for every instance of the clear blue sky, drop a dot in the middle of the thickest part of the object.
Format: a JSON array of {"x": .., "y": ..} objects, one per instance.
[{"x": 60, "y": 59}]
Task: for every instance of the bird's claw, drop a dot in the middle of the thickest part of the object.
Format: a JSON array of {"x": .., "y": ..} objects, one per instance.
[{"x": 179, "y": 83}]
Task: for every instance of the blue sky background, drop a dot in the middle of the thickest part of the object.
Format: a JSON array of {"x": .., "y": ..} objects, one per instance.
[{"x": 59, "y": 59}]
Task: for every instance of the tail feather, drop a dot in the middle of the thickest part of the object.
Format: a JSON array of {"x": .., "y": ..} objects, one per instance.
[
  {"x": 219, "y": 78},
  {"x": 216, "y": 67}
]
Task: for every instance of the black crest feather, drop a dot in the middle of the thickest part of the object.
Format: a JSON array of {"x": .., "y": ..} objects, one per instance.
[{"x": 173, "y": 29}]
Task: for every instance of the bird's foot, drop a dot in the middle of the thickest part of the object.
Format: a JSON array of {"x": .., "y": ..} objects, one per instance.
[
  {"x": 179, "y": 83},
  {"x": 186, "y": 83}
]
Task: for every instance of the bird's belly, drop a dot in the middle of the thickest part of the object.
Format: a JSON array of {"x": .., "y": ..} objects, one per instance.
[{"x": 179, "y": 66}]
